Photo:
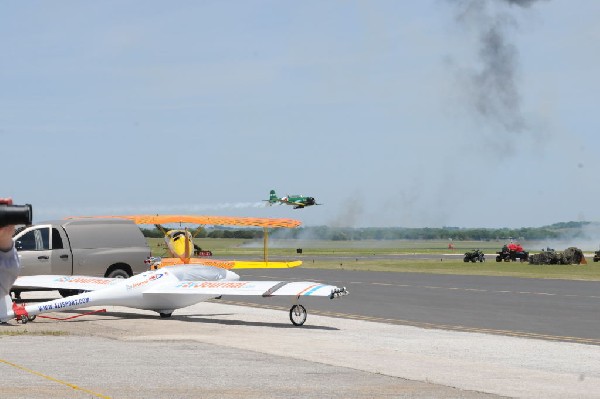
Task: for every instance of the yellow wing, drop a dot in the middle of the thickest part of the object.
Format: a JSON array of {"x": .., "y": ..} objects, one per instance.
[
  {"x": 230, "y": 264},
  {"x": 204, "y": 220}
]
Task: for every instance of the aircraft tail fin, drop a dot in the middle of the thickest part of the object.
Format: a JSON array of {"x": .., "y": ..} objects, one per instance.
[{"x": 273, "y": 197}]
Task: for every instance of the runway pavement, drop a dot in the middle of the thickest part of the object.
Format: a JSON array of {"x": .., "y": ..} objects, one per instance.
[
  {"x": 214, "y": 350},
  {"x": 547, "y": 309}
]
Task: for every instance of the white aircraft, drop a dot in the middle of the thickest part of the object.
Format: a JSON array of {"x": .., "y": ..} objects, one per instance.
[{"x": 162, "y": 290}]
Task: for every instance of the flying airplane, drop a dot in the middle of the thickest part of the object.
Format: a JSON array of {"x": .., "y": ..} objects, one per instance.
[
  {"x": 163, "y": 291},
  {"x": 298, "y": 201}
]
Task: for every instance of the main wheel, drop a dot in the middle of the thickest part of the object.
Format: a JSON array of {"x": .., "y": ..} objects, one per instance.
[
  {"x": 298, "y": 315},
  {"x": 165, "y": 315},
  {"x": 118, "y": 273}
]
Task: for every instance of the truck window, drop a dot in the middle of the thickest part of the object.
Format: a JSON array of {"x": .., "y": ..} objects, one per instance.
[
  {"x": 56, "y": 240},
  {"x": 45, "y": 238},
  {"x": 35, "y": 240}
]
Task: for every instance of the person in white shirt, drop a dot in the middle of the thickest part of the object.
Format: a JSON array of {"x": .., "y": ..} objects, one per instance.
[{"x": 9, "y": 261}]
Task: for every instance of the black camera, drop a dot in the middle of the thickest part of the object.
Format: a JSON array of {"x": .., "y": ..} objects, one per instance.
[{"x": 15, "y": 214}]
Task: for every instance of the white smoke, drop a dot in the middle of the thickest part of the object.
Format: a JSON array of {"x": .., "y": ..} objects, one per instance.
[{"x": 62, "y": 212}]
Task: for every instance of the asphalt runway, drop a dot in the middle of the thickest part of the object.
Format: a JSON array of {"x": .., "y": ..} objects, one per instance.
[
  {"x": 369, "y": 344},
  {"x": 547, "y": 309},
  {"x": 215, "y": 350},
  {"x": 209, "y": 350}
]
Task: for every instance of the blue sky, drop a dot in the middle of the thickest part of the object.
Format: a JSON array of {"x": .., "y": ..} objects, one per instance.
[{"x": 390, "y": 113}]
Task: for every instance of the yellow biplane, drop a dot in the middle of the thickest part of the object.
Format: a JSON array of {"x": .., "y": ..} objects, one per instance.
[{"x": 181, "y": 246}]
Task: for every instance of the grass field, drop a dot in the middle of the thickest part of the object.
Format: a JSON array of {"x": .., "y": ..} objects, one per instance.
[{"x": 371, "y": 255}]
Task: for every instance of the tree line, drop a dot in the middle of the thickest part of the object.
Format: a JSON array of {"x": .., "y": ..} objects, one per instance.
[{"x": 554, "y": 231}]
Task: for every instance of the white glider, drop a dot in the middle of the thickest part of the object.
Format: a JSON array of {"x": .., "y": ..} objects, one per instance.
[{"x": 162, "y": 290}]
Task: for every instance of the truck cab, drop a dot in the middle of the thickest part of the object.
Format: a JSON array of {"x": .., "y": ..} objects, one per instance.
[
  {"x": 92, "y": 247},
  {"x": 42, "y": 250}
]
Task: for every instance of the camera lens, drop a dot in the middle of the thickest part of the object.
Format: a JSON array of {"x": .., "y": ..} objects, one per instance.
[{"x": 15, "y": 214}]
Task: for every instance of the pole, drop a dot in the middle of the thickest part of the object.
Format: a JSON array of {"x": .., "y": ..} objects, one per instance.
[{"x": 266, "y": 245}]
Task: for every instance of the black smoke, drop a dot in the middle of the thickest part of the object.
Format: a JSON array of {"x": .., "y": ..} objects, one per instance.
[{"x": 492, "y": 85}]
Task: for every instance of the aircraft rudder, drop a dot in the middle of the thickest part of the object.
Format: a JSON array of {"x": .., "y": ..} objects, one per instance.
[{"x": 272, "y": 196}]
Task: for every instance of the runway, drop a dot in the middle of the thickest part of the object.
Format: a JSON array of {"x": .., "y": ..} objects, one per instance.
[
  {"x": 547, "y": 309},
  {"x": 366, "y": 348}
]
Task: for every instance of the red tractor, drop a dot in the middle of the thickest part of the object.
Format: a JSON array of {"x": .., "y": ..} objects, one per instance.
[
  {"x": 200, "y": 252},
  {"x": 512, "y": 252}
]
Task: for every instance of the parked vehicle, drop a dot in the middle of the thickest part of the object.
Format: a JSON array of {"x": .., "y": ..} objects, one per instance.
[
  {"x": 512, "y": 253},
  {"x": 113, "y": 248},
  {"x": 570, "y": 256},
  {"x": 201, "y": 252},
  {"x": 474, "y": 256}
]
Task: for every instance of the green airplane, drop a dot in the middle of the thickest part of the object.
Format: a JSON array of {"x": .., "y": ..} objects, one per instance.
[{"x": 298, "y": 201}]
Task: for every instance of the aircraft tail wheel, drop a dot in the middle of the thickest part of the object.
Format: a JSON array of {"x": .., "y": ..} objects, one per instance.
[{"x": 298, "y": 315}]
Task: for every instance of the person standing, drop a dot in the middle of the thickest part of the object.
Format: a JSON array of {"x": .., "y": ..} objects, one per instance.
[{"x": 9, "y": 260}]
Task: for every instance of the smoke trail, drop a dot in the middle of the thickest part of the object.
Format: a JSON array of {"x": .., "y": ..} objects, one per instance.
[
  {"x": 59, "y": 213},
  {"x": 496, "y": 95},
  {"x": 349, "y": 212},
  {"x": 492, "y": 88},
  {"x": 522, "y": 3}
]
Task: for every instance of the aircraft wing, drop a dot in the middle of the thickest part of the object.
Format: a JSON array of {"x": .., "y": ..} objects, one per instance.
[
  {"x": 84, "y": 283},
  {"x": 202, "y": 220},
  {"x": 252, "y": 288},
  {"x": 230, "y": 264}
]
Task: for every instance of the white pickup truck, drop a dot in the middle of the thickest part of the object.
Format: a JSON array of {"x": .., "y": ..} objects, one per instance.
[{"x": 91, "y": 247}]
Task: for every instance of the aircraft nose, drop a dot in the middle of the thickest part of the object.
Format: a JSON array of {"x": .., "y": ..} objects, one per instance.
[{"x": 231, "y": 276}]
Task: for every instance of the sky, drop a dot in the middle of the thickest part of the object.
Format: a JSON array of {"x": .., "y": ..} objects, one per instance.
[{"x": 465, "y": 113}]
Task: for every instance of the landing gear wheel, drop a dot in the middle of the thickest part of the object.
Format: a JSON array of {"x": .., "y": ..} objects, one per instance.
[
  {"x": 165, "y": 315},
  {"x": 298, "y": 315},
  {"x": 31, "y": 318}
]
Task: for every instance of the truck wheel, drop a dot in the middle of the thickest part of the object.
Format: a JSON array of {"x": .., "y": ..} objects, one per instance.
[{"x": 118, "y": 273}]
